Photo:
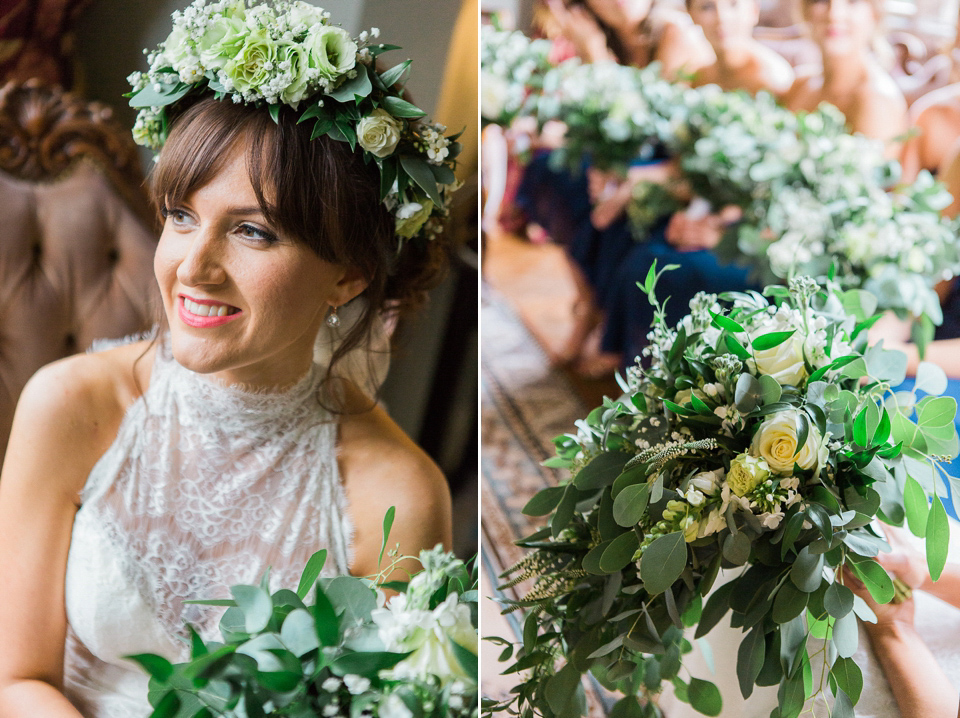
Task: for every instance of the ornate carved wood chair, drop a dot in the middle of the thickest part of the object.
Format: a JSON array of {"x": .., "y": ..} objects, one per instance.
[{"x": 77, "y": 233}]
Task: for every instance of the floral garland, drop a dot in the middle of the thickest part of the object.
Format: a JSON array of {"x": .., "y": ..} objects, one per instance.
[
  {"x": 764, "y": 438},
  {"x": 288, "y": 53}
]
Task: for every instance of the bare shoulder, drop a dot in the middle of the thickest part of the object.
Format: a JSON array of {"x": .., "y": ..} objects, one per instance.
[
  {"x": 73, "y": 408},
  {"x": 382, "y": 467}
]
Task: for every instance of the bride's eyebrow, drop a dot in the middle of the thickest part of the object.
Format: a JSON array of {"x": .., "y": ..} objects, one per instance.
[{"x": 245, "y": 210}]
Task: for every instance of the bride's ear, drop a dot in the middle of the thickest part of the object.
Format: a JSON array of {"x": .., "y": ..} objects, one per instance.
[{"x": 350, "y": 285}]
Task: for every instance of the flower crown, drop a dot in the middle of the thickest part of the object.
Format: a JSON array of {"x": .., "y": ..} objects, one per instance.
[{"x": 288, "y": 53}]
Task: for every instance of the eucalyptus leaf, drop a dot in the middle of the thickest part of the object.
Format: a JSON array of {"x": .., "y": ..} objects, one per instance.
[
  {"x": 312, "y": 571},
  {"x": 848, "y": 677},
  {"x": 845, "y": 635},
  {"x": 256, "y": 606},
  {"x": 938, "y": 539},
  {"x": 630, "y": 505},
  {"x": 401, "y": 108},
  {"x": 931, "y": 379},
  {"x": 353, "y": 89},
  {"x": 875, "y": 578},
  {"x": 543, "y": 502},
  {"x": 620, "y": 552},
  {"x": 838, "y": 600},
  {"x": 662, "y": 562},
  {"x": 916, "y": 507},
  {"x": 750, "y": 660},
  {"x": 807, "y": 571},
  {"x": 705, "y": 697}
]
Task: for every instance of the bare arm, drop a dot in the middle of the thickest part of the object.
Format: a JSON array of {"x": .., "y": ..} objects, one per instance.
[
  {"x": 682, "y": 50},
  {"x": 382, "y": 467},
  {"x": 919, "y": 684},
  {"x": 55, "y": 440},
  {"x": 881, "y": 114}
]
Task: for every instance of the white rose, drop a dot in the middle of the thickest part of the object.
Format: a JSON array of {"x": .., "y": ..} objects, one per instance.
[
  {"x": 784, "y": 362},
  {"x": 776, "y": 443},
  {"x": 493, "y": 96},
  {"x": 378, "y": 133}
]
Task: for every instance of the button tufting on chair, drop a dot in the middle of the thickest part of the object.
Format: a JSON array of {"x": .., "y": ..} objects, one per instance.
[{"x": 70, "y": 195}]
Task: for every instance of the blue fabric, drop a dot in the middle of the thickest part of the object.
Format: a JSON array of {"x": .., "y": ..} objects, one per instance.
[
  {"x": 951, "y": 313},
  {"x": 629, "y": 313},
  {"x": 558, "y": 201}
]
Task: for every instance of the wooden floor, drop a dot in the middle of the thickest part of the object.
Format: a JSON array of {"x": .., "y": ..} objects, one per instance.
[{"x": 538, "y": 281}]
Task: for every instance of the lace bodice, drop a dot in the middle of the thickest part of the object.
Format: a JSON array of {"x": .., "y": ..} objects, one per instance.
[{"x": 205, "y": 486}]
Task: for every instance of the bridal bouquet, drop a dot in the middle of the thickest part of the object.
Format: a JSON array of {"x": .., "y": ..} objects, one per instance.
[
  {"x": 345, "y": 652},
  {"x": 613, "y": 113},
  {"x": 512, "y": 67},
  {"x": 760, "y": 435}
]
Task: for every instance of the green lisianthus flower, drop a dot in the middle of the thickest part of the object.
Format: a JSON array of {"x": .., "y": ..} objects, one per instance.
[
  {"x": 299, "y": 69},
  {"x": 222, "y": 41},
  {"x": 332, "y": 51},
  {"x": 248, "y": 70}
]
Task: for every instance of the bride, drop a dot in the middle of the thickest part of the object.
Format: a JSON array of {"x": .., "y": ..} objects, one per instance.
[{"x": 168, "y": 469}]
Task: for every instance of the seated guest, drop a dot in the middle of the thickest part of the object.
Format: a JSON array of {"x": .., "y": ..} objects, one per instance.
[
  {"x": 851, "y": 77},
  {"x": 935, "y": 125},
  {"x": 632, "y": 32},
  {"x": 742, "y": 63}
]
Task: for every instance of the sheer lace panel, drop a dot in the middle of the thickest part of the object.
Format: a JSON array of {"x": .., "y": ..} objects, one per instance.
[{"x": 206, "y": 486}]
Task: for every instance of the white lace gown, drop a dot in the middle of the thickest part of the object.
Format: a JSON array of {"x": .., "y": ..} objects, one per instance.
[
  {"x": 205, "y": 486},
  {"x": 937, "y": 623}
]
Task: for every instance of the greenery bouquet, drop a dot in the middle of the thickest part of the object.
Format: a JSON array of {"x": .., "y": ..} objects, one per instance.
[
  {"x": 614, "y": 113},
  {"x": 815, "y": 197},
  {"x": 761, "y": 435},
  {"x": 512, "y": 69},
  {"x": 345, "y": 652}
]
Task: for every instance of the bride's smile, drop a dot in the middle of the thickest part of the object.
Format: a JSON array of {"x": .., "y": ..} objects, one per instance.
[{"x": 244, "y": 301}]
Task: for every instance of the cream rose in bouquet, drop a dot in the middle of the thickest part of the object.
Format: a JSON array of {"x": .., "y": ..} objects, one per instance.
[{"x": 761, "y": 436}]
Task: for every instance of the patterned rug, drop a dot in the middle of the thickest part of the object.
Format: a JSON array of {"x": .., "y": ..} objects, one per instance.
[{"x": 524, "y": 404}]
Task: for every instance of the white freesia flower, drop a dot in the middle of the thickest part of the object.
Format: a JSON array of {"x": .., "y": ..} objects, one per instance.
[
  {"x": 393, "y": 707},
  {"x": 428, "y": 634},
  {"x": 378, "y": 133}
]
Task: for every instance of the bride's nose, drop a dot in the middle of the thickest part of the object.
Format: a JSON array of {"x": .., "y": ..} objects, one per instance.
[{"x": 202, "y": 262}]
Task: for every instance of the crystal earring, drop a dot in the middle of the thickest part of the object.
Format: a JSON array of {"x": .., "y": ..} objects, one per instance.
[{"x": 333, "y": 320}]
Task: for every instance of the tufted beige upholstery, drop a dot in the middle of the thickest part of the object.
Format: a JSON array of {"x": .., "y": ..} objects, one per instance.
[{"x": 76, "y": 255}]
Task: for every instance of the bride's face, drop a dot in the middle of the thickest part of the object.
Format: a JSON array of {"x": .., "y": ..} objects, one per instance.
[{"x": 244, "y": 303}]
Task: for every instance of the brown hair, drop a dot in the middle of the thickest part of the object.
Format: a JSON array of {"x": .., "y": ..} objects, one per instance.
[{"x": 319, "y": 192}]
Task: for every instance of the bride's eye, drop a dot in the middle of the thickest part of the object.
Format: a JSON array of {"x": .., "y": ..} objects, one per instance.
[
  {"x": 249, "y": 231},
  {"x": 177, "y": 216}
]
